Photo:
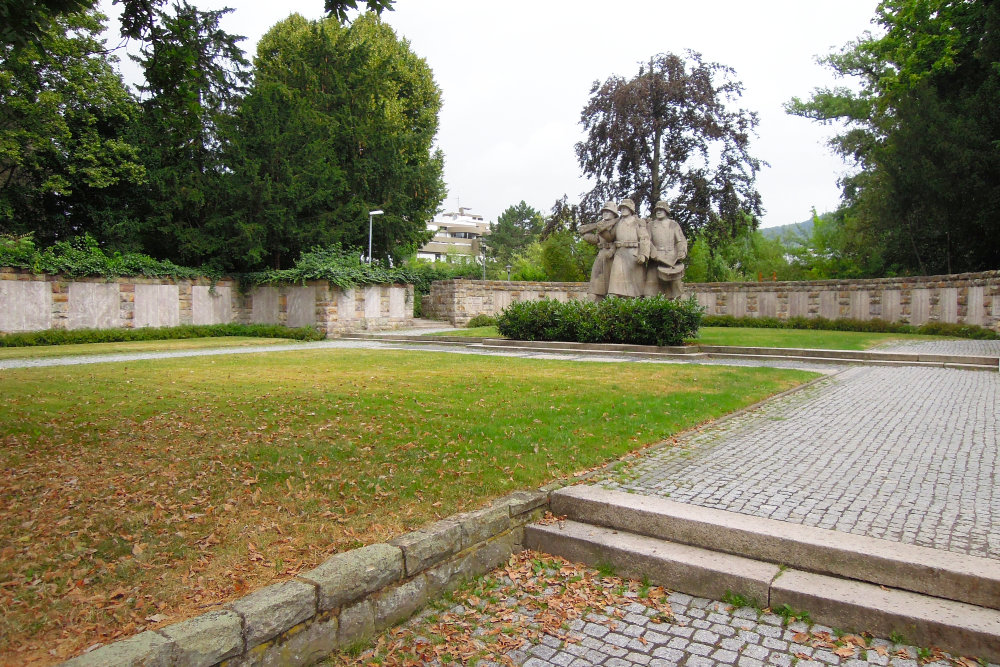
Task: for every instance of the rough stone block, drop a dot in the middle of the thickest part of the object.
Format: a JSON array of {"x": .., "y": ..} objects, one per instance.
[
  {"x": 272, "y": 610},
  {"x": 400, "y": 602},
  {"x": 428, "y": 546},
  {"x": 147, "y": 649},
  {"x": 489, "y": 555},
  {"x": 481, "y": 525},
  {"x": 522, "y": 502},
  {"x": 357, "y": 623},
  {"x": 305, "y": 644},
  {"x": 347, "y": 576},
  {"x": 206, "y": 639}
]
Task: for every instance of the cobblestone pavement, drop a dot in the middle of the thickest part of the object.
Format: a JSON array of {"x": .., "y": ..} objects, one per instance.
[
  {"x": 566, "y": 615},
  {"x": 905, "y": 454},
  {"x": 968, "y": 347}
]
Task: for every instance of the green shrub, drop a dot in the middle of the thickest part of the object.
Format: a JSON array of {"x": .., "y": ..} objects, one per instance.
[
  {"x": 654, "y": 321},
  {"x": 482, "y": 320},
  {"x": 845, "y": 324},
  {"x": 73, "y": 336}
]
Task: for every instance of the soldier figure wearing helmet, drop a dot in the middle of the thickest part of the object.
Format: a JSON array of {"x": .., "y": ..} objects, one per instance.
[
  {"x": 601, "y": 234},
  {"x": 668, "y": 249},
  {"x": 631, "y": 241}
]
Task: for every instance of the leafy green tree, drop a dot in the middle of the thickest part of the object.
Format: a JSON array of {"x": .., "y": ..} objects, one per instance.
[
  {"x": 194, "y": 75},
  {"x": 672, "y": 133},
  {"x": 339, "y": 121},
  {"x": 924, "y": 132},
  {"x": 64, "y": 120},
  {"x": 514, "y": 230}
]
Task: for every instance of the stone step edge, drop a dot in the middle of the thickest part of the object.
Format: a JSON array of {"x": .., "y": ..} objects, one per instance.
[
  {"x": 954, "y": 576},
  {"x": 965, "y": 362},
  {"x": 850, "y": 605}
]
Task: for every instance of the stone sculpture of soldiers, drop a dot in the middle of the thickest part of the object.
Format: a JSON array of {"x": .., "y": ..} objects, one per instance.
[
  {"x": 631, "y": 241},
  {"x": 668, "y": 250},
  {"x": 601, "y": 234}
]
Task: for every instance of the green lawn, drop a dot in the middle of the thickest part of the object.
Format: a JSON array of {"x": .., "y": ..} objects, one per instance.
[
  {"x": 154, "y": 489},
  {"x": 747, "y": 337},
  {"x": 39, "y": 351}
]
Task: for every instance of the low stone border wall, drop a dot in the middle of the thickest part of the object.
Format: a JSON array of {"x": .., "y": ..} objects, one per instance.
[
  {"x": 35, "y": 302},
  {"x": 341, "y": 603},
  {"x": 966, "y": 298}
]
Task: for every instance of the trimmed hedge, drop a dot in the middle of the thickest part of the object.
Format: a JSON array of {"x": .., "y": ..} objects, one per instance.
[
  {"x": 73, "y": 336},
  {"x": 653, "y": 321},
  {"x": 867, "y": 326},
  {"x": 482, "y": 321}
]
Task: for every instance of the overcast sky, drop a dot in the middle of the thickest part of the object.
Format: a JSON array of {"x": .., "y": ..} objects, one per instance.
[{"x": 516, "y": 74}]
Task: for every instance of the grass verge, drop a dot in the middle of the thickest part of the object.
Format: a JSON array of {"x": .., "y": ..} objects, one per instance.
[
  {"x": 136, "y": 494},
  {"x": 87, "y": 349},
  {"x": 747, "y": 337}
]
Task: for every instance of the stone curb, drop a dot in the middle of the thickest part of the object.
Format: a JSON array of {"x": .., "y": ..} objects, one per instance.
[{"x": 343, "y": 601}]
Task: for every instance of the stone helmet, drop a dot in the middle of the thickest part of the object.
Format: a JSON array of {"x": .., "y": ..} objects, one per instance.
[
  {"x": 610, "y": 206},
  {"x": 629, "y": 204},
  {"x": 662, "y": 205}
]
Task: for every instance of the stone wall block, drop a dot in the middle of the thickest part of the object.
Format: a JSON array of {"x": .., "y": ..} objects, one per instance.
[
  {"x": 347, "y": 576},
  {"x": 357, "y": 623},
  {"x": 272, "y": 610},
  {"x": 481, "y": 525},
  {"x": 305, "y": 644},
  {"x": 489, "y": 555},
  {"x": 522, "y": 502},
  {"x": 206, "y": 639},
  {"x": 398, "y": 603},
  {"x": 148, "y": 649},
  {"x": 430, "y": 545}
]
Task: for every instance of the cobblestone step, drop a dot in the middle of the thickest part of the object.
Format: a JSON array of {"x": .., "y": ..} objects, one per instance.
[
  {"x": 836, "y": 602},
  {"x": 941, "y": 574}
]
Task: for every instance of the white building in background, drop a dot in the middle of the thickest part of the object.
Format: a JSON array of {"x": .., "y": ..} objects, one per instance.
[{"x": 457, "y": 237}]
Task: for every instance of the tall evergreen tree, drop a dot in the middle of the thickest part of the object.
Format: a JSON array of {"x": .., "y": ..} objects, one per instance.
[
  {"x": 340, "y": 121},
  {"x": 194, "y": 73}
]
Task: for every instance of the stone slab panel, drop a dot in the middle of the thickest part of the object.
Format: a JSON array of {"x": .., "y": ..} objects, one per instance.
[
  {"x": 25, "y": 305},
  {"x": 265, "y": 306},
  {"x": 397, "y": 302},
  {"x": 207, "y": 639},
  {"x": 209, "y": 308},
  {"x": 148, "y": 649},
  {"x": 93, "y": 306},
  {"x": 860, "y": 305},
  {"x": 948, "y": 303},
  {"x": 501, "y": 300},
  {"x": 891, "y": 308},
  {"x": 346, "y": 305},
  {"x": 828, "y": 307},
  {"x": 373, "y": 302},
  {"x": 300, "y": 305},
  {"x": 707, "y": 301},
  {"x": 920, "y": 306},
  {"x": 157, "y": 306},
  {"x": 676, "y": 566},
  {"x": 974, "y": 313},
  {"x": 274, "y": 609},
  {"x": 347, "y": 576},
  {"x": 921, "y": 619},
  {"x": 798, "y": 304},
  {"x": 767, "y": 304},
  {"x": 737, "y": 304}
]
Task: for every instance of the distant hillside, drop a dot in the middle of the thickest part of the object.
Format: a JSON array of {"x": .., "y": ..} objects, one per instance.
[{"x": 803, "y": 228}]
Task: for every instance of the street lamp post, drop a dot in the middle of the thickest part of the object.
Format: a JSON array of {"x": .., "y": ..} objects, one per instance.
[{"x": 371, "y": 214}]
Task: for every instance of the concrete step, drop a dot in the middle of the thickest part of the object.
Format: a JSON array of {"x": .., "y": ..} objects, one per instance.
[
  {"x": 942, "y": 574},
  {"x": 841, "y": 603}
]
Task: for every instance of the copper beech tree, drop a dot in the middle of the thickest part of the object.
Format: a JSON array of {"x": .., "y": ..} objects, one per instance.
[{"x": 672, "y": 132}]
